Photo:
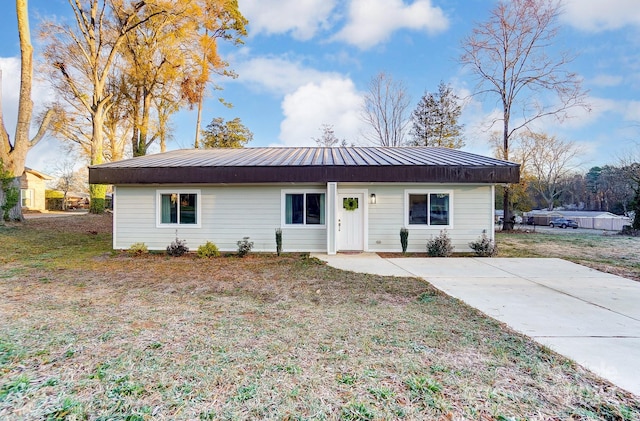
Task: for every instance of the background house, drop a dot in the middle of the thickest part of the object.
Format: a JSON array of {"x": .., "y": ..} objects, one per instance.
[{"x": 32, "y": 190}]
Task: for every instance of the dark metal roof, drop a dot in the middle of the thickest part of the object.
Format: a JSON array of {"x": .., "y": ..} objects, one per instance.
[{"x": 307, "y": 164}]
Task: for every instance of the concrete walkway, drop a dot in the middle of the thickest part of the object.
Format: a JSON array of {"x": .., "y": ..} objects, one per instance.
[{"x": 590, "y": 317}]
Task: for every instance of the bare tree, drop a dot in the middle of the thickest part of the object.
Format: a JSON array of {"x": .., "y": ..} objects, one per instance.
[
  {"x": 68, "y": 179},
  {"x": 551, "y": 162},
  {"x": 384, "y": 109},
  {"x": 13, "y": 155},
  {"x": 508, "y": 54},
  {"x": 329, "y": 138}
]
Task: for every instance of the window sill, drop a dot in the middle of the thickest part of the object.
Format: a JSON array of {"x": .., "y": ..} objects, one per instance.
[
  {"x": 178, "y": 226},
  {"x": 302, "y": 227}
]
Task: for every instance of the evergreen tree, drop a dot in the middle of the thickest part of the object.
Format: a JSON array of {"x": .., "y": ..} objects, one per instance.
[
  {"x": 435, "y": 119},
  {"x": 229, "y": 134}
]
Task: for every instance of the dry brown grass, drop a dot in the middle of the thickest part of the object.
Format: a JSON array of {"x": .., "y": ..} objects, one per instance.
[{"x": 87, "y": 333}]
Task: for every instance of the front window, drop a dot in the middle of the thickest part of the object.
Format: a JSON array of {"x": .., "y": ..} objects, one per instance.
[
  {"x": 26, "y": 198},
  {"x": 304, "y": 208},
  {"x": 179, "y": 208},
  {"x": 428, "y": 209}
]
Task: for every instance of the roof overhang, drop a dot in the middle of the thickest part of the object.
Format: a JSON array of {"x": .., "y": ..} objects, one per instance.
[
  {"x": 312, "y": 174},
  {"x": 307, "y": 165}
]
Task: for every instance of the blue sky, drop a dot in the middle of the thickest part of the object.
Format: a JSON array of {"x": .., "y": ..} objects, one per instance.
[{"x": 308, "y": 63}]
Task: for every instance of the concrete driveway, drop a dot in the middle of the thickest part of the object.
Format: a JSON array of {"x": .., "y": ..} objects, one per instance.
[{"x": 590, "y": 317}]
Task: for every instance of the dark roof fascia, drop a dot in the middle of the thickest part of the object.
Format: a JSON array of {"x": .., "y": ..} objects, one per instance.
[{"x": 306, "y": 174}]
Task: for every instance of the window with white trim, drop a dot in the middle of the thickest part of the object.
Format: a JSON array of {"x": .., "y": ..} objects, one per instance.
[
  {"x": 178, "y": 208},
  {"x": 428, "y": 209},
  {"x": 301, "y": 208},
  {"x": 26, "y": 198}
]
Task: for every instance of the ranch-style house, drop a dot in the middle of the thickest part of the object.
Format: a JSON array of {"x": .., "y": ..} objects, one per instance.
[{"x": 323, "y": 199}]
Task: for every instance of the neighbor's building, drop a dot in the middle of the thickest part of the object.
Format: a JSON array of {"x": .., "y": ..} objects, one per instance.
[
  {"x": 32, "y": 190},
  {"x": 323, "y": 199}
]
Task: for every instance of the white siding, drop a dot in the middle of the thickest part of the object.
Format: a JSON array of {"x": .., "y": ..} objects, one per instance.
[
  {"x": 471, "y": 215},
  {"x": 228, "y": 215},
  {"x": 232, "y": 212}
]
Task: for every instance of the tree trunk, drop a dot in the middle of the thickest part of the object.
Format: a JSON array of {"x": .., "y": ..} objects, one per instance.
[
  {"x": 14, "y": 156},
  {"x": 196, "y": 144},
  {"x": 97, "y": 192},
  {"x": 143, "y": 142},
  {"x": 5, "y": 145},
  {"x": 137, "y": 122},
  {"x": 507, "y": 221},
  {"x": 636, "y": 219},
  {"x": 507, "y": 218}
]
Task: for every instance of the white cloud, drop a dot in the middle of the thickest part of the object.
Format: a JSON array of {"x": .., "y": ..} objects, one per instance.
[
  {"x": 333, "y": 101},
  {"x": 41, "y": 92},
  {"x": 10, "y": 68},
  {"x": 599, "y": 15},
  {"x": 632, "y": 111},
  {"x": 373, "y": 21},
  {"x": 606, "y": 81},
  {"x": 302, "y": 18},
  {"x": 278, "y": 75}
]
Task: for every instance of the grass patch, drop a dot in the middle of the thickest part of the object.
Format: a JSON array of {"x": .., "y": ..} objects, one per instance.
[
  {"x": 609, "y": 253},
  {"x": 264, "y": 337}
]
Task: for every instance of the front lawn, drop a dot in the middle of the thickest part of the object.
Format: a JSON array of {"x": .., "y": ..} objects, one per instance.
[
  {"x": 91, "y": 334},
  {"x": 602, "y": 250}
]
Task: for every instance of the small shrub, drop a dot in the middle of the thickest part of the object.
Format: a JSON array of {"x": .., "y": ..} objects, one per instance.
[
  {"x": 208, "y": 249},
  {"x": 278, "y": 241},
  {"x": 404, "y": 239},
  {"x": 177, "y": 247},
  {"x": 440, "y": 245},
  {"x": 484, "y": 247},
  {"x": 138, "y": 249},
  {"x": 244, "y": 246}
]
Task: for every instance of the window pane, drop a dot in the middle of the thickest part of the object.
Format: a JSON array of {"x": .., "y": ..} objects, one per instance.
[
  {"x": 188, "y": 209},
  {"x": 169, "y": 210},
  {"x": 439, "y": 211},
  {"x": 315, "y": 208},
  {"x": 418, "y": 209},
  {"x": 294, "y": 209},
  {"x": 26, "y": 197}
]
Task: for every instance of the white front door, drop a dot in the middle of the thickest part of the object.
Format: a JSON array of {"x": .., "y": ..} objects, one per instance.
[{"x": 350, "y": 222}]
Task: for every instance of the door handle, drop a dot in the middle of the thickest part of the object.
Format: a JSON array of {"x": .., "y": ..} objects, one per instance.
[{"x": 339, "y": 224}]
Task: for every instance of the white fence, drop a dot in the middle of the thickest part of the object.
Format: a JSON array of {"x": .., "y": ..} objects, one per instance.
[
  {"x": 608, "y": 224},
  {"x": 589, "y": 222}
]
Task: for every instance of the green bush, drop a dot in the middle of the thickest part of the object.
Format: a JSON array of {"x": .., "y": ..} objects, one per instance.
[
  {"x": 208, "y": 249},
  {"x": 404, "y": 239},
  {"x": 10, "y": 192},
  {"x": 440, "y": 245},
  {"x": 484, "y": 247},
  {"x": 244, "y": 246},
  {"x": 138, "y": 249}
]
